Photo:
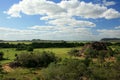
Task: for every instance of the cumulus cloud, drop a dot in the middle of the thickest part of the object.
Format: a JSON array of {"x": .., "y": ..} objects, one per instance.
[
  {"x": 61, "y": 21},
  {"x": 71, "y": 8},
  {"x": 71, "y": 22},
  {"x": 33, "y": 7},
  {"x": 111, "y": 13}
]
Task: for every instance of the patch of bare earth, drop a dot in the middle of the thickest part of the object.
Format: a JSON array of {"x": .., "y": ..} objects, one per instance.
[{"x": 7, "y": 68}]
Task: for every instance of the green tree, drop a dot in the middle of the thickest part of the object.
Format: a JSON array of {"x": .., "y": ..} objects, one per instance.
[
  {"x": 1, "y": 55},
  {"x": 36, "y": 59},
  {"x": 30, "y": 48}
]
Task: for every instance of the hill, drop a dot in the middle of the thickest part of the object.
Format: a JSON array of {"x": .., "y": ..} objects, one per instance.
[{"x": 111, "y": 39}]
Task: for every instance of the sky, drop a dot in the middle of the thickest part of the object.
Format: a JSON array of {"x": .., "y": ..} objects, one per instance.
[{"x": 59, "y": 19}]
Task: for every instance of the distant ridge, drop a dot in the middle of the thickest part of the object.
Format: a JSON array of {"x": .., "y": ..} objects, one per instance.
[{"x": 111, "y": 39}]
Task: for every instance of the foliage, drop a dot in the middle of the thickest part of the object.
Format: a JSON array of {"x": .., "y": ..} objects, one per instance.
[
  {"x": 101, "y": 56},
  {"x": 69, "y": 69},
  {"x": 35, "y": 60},
  {"x": 111, "y": 52},
  {"x": 118, "y": 58},
  {"x": 117, "y": 50},
  {"x": 49, "y": 44},
  {"x": 73, "y": 52},
  {"x": 21, "y": 46},
  {"x": 1, "y": 55},
  {"x": 30, "y": 48},
  {"x": 91, "y": 52}
]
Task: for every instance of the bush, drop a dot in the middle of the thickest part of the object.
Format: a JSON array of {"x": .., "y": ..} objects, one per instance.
[
  {"x": 91, "y": 52},
  {"x": 47, "y": 58},
  {"x": 30, "y": 48},
  {"x": 36, "y": 59},
  {"x": 69, "y": 69},
  {"x": 21, "y": 46},
  {"x": 74, "y": 52},
  {"x": 117, "y": 50},
  {"x": 118, "y": 58}
]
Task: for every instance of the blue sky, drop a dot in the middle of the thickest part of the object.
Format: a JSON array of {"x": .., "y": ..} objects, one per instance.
[{"x": 59, "y": 19}]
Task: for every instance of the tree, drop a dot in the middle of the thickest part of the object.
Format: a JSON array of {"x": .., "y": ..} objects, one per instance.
[
  {"x": 1, "y": 55},
  {"x": 36, "y": 59},
  {"x": 30, "y": 48}
]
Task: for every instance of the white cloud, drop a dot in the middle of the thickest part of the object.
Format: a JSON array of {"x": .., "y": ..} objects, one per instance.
[
  {"x": 33, "y": 7},
  {"x": 90, "y": 10},
  {"x": 64, "y": 8},
  {"x": 44, "y": 28},
  {"x": 104, "y": 33},
  {"x": 87, "y": 10},
  {"x": 45, "y": 32},
  {"x": 60, "y": 20},
  {"x": 118, "y": 27},
  {"x": 14, "y": 11},
  {"x": 71, "y": 22},
  {"x": 111, "y": 13},
  {"x": 108, "y": 3},
  {"x": 59, "y": 33}
]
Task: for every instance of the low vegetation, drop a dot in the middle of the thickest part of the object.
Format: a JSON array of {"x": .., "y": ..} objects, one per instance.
[
  {"x": 94, "y": 61},
  {"x": 30, "y": 60}
]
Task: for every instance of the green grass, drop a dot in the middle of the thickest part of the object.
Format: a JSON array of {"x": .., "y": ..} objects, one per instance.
[
  {"x": 15, "y": 42},
  {"x": 9, "y": 53},
  {"x": 27, "y": 73},
  {"x": 23, "y": 74}
]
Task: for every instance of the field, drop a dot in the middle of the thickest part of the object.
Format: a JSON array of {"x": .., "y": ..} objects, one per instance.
[
  {"x": 9, "y": 53},
  {"x": 74, "y": 63},
  {"x": 24, "y": 73}
]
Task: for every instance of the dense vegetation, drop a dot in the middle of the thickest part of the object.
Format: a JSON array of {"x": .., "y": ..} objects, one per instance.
[
  {"x": 111, "y": 39},
  {"x": 75, "y": 69},
  {"x": 97, "y": 61},
  {"x": 34, "y": 59},
  {"x": 23, "y": 46}
]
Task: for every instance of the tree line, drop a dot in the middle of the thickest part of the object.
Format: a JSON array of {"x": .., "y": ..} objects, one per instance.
[{"x": 40, "y": 45}]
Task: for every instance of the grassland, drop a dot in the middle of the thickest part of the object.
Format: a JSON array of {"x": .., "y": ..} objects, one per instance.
[
  {"x": 9, "y": 53},
  {"x": 16, "y": 42},
  {"x": 24, "y": 73}
]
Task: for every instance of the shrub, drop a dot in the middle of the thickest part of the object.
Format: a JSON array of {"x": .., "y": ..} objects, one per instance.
[
  {"x": 30, "y": 48},
  {"x": 118, "y": 58},
  {"x": 91, "y": 52},
  {"x": 21, "y": 46},
  {"x": 74, "y": 52},
  {"x": 117, "y": 50},
  {"x": 47, "y": 58},
  {"x": 36, "y": 59},
  {"x": 111, "y": 52},
  {"x": 69, "y": 69}
]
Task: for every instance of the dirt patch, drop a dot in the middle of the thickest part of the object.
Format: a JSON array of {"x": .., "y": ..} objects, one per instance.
[{"x": 7, "y": 68}]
